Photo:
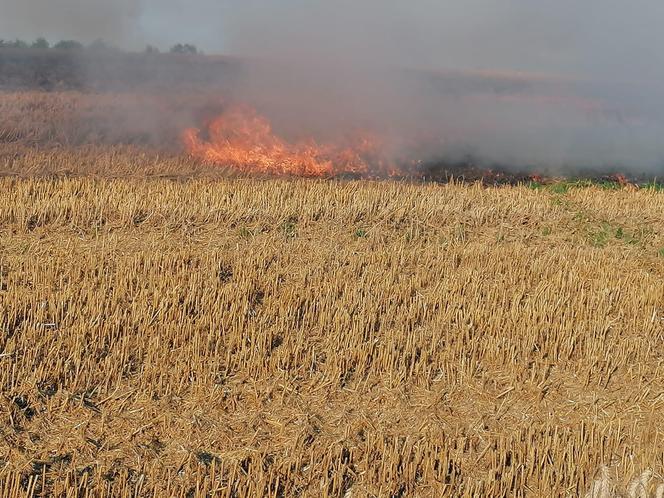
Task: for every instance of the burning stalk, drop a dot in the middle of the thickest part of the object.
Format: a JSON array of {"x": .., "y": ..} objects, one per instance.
[{"x": 244, "y": 140}]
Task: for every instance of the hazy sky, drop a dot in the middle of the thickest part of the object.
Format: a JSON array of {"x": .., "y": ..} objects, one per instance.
[{"x": 596, "y": 37}]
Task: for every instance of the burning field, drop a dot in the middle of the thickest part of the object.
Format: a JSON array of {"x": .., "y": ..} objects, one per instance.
[
  {"x": 193, "y": 133},
  {"x": 223, "y": 116},
  {"x": 244, "y": 140},
  {"x": 196, "y": 300}
]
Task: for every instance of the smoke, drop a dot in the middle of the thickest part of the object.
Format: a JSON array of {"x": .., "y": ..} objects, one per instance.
[
  {"x": 115, "y": 21},
  {"x": 550, "y": 85},
  {"x": 594, "y": 38}
]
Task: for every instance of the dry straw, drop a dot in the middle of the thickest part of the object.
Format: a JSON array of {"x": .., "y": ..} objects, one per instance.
[{"x": 238, "y": 337}]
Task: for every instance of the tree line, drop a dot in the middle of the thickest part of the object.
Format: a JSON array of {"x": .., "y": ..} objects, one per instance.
[{"x": 98, "y": 45}]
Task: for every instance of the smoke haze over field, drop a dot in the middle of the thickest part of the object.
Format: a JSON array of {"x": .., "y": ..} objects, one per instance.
[
  {"x": 84, "y": 20},
  {"x": 609, "y": 37},
  {"x": 580, "y": 83}
]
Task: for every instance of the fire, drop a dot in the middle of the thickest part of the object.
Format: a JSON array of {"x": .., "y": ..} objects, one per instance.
[{"x": 244, "y": 140}]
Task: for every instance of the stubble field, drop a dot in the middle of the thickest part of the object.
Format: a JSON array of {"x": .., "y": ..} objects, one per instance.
[{"x": 169, "y": 330}]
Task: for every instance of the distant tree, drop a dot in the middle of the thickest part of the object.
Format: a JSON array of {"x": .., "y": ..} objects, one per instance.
[
  {"x": 68, "y": 45},
  {"x": 151, "y": 50},
  {"x": 40, "y": 43},
  {"x": 184, "y": 49},
  {"x": 100, "y": 45},
  {"x": 13, "y": 44}
]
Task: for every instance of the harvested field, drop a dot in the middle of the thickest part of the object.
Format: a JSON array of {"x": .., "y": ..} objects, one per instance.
[
  {"x": 239, "y": 337},
  {"x": 153, "y": 119}
]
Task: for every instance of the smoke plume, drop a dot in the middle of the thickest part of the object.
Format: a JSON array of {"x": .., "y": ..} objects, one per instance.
[
  {"x": 556, "y": 85},
  {"x": 549, "y": 85},
  {"x": 115, "y": 21}
]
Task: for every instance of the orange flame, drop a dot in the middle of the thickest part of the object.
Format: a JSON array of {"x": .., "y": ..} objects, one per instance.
[{"x": 244, "y": 140}]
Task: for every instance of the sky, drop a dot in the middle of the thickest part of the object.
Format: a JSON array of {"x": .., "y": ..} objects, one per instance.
[{"x": 590, "y": 37}]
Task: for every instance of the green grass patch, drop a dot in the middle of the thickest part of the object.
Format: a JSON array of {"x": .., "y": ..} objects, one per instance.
[
  {"x": 565, "y": 186},
  {"x": 600, "y": 237},
  {"x": 621, "y": 234},
  {"x": 607, "y": 185},
  {"x": 560, "y": 188},
  {"x": 289, "y": 227},
  {"x": 655, "y": 185},
  {"x": 607, "y": 232}
]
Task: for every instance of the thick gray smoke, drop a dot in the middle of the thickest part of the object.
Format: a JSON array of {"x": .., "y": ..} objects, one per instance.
[
  {"x": 558, "y": 85},
  {"x": 562, "y": 84}
]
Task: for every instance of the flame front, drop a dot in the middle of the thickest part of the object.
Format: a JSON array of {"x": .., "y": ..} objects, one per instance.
[{"x": 244, "y": 140}]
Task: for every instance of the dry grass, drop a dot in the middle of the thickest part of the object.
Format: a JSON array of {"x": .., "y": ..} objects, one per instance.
[
  {"x": 281, "y": 338},
  {"x": 69, "y": 118}
]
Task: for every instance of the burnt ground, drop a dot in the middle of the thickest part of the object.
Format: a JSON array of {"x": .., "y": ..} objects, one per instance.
[{"x": 471, "y": 171}]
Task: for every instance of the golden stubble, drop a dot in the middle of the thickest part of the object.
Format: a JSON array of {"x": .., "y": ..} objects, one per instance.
[{"x": 238, "y": 337}]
